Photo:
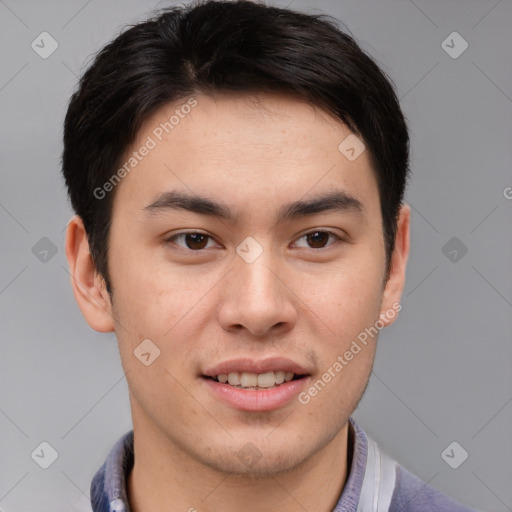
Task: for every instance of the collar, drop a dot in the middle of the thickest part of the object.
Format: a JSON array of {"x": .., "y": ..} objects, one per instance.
[{"x": 369, "y": 486}]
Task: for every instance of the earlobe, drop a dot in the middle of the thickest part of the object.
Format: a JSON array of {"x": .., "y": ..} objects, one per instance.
[
  {"x": 396, "y": 281},
  {"x": 88, "y": 286}
]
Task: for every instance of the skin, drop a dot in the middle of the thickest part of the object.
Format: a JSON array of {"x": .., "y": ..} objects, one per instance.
[{"x": 202, "y": 306}]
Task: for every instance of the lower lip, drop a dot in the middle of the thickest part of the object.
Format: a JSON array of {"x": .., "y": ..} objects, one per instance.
[{"x": 256, "y": 399}]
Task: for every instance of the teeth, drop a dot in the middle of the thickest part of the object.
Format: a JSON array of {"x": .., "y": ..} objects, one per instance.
[
  {"x": 255, "y": 380},
  {"x": 248, "y": 380},
  {"x": 234, "y": 378},
  {"x": 266, "y": 380}
]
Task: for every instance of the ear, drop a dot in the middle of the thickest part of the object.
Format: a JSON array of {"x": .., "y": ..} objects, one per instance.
[
  {"x": 396, "y": 280},
  {"x": 88, "y": 286}
]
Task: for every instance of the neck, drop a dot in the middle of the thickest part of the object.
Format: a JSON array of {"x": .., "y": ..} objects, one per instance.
[{"x": 166, "y": 478}]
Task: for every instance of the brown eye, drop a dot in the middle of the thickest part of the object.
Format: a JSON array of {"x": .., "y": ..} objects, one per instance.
[
  {"x": 318, "y": 239},
  {"x": 193, "y": 240},
  {"x": 196, "y": 240}
]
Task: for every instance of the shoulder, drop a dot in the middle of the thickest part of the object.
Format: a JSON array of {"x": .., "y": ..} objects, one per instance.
[
  {"x": 108, "y": 486},
  {"x": 411, "y": 494},
  {"x": 390, "y": 485},
  {"x": 99, "y": 500}
]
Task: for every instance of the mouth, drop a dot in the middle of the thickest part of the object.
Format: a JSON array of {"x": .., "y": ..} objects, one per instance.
[
  {"x": 257, "y": 381},
  {"x": 250, "y": 384}
]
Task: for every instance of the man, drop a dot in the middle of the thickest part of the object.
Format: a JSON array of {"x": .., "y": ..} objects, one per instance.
[{"x": 238, "y": 172}]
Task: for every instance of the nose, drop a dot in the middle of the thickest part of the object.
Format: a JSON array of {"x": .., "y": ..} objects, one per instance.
[{"x": 257, "y": 298}]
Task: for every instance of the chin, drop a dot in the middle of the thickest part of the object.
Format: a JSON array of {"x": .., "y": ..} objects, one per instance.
[{"x": 252, "y": 460}]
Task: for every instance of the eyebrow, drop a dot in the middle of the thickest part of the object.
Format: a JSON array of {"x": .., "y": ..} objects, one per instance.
[{"x": 336, "y": 201}]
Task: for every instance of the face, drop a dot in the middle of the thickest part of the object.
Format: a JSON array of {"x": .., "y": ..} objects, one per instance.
[{"x": 268, "y": 279}]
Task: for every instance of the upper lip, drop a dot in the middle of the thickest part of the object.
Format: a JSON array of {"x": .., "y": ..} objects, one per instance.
[{"x": 245, "y": 364}]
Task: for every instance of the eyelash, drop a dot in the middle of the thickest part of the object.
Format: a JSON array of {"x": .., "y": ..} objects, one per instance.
[{"x": 184, "y": 233}]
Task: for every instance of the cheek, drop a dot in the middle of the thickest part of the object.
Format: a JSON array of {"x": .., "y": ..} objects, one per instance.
[
  {"x": 163, "y": 305},
  {"x": 152, "y": 307},
  {"x": 349, "y": 304},
  {"x": 348, "y": 298},
  {"x": 142, "y": 288}
]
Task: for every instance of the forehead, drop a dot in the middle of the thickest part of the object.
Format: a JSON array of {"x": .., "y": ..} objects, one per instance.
[{"x": 248, "y": 147}]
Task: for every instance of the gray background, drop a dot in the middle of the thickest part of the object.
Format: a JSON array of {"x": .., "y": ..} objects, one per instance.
[{"x": 443, "y": 371}]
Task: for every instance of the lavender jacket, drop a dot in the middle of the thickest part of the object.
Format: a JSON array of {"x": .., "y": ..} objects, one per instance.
[{"x": 376, "y": 482}]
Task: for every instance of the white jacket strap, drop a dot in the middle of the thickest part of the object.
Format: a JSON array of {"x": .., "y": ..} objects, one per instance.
[{"x": 378, "y": 482}]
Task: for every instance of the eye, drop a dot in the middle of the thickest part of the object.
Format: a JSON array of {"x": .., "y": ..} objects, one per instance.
[
  {"x": 194, "y": 240},
  {"x": 318, "y": 238}
]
